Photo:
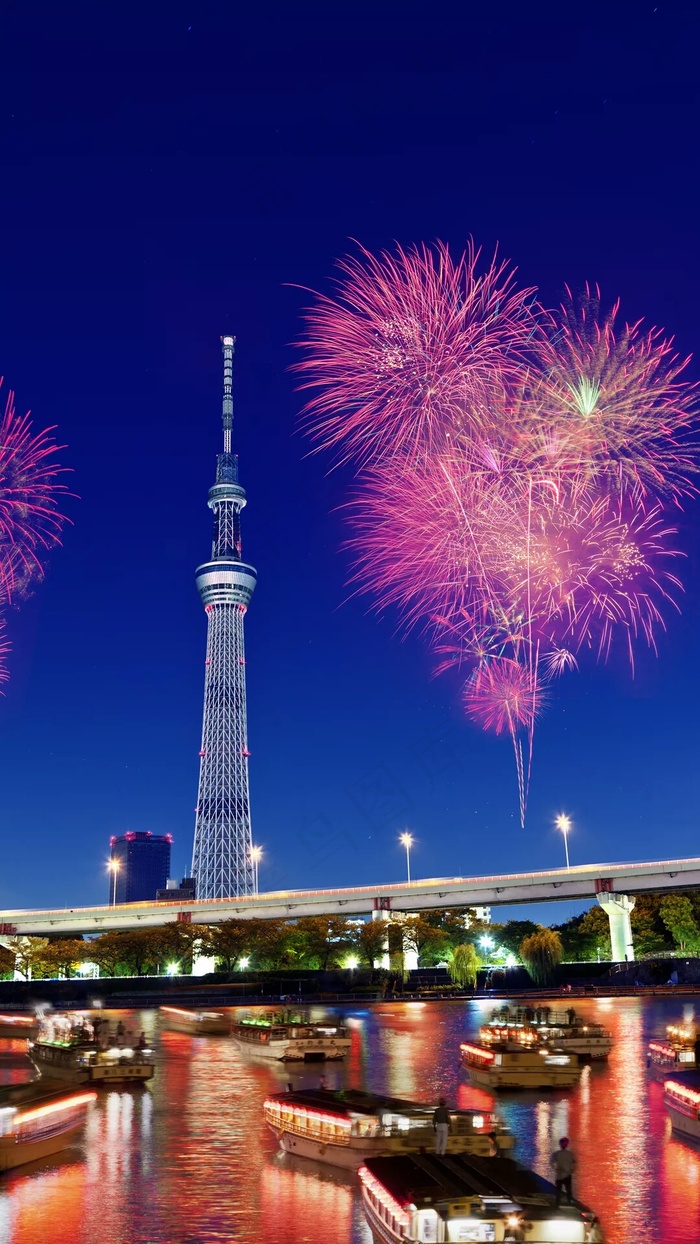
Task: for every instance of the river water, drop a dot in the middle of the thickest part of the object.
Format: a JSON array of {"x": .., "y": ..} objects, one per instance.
[{"x": 188, "y": 1160}]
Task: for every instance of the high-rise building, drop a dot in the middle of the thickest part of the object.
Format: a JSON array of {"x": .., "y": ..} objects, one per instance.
[
  {"x": 139, "y": 866},
  {"x": 221, "y": 860}
]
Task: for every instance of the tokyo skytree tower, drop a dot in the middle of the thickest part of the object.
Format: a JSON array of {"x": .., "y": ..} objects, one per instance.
[{"x": 221, "y": 860}]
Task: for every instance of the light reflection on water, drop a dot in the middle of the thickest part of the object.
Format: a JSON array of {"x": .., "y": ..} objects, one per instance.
[{"x": 188, "y": 1160}]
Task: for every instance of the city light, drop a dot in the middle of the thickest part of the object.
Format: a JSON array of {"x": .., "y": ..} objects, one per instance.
[
  {"x": 406, "y": 840},
  {"x": 243, "y": 963},
  {"x": 487, "y": 944},
  {"x": 256, "y": 856},
  {"x": 563, "y": 822},
  {"x": 352, "y": 962},
  {"x": 173, "y": 969},
  {"x": 114, "y": 866}
]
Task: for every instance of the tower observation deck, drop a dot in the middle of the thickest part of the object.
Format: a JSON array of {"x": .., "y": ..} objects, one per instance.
[{"x": 221, "y": 860}]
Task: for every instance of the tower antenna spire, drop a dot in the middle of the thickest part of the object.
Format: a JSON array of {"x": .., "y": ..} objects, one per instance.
[
  {"x": 222, "y": 860},
  {"x": 228, "y": 345}
]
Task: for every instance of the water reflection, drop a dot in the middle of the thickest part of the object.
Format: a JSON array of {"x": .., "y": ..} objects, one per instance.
[{"x": 188, "y": 1160}]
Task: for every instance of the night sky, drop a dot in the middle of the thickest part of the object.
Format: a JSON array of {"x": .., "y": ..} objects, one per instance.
[{"x": 174, "y": 172}]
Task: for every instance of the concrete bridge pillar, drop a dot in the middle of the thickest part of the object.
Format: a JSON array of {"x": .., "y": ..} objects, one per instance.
[
  {"x": 382, "y": 911},
  {"x": 617, "y": 908}
]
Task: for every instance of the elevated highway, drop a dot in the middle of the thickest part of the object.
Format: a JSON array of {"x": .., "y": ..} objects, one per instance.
[{"x": 614, "y": 885}]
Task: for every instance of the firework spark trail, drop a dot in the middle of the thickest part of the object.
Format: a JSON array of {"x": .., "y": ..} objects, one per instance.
[
  {"x": 30, "y": 521},
  {"x": 518, "y": 465}
]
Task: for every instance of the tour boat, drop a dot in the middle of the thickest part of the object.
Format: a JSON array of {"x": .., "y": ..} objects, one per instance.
[
  {"x": 675, "y": 1053},
  {"x": 197, "y": 1023},
  {"x": 506, "y": 1064},
  {"x": 682, "y": 1100},
  {"x": 37, "y": 1120},
  {"x": 421, "y": 1197},
  {"x": 564, "y": 1029},
  {"x": 286, "y": 1037},
  {"x": 67, "y": 1048},
  {"x": 17, "y": 1027},
  {"x": 347, "y": 1127}
]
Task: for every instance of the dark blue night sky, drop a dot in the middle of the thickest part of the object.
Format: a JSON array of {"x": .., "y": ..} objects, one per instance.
[{"x": 174, "y": 172}]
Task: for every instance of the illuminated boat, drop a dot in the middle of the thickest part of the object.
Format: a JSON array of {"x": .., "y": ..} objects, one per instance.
[
  {"x": 66, "y": 1048},
  {"x": 17, "y": 1027},
  {"x": 197, "y": 1023},
  {"x": 348, "y": 1127},
  {"x": 421, "y": 1197},
  {"x": 675, "y": 1053},
  {"x": 506, "y": 1064},
  {"x": 38, "y": 1120},
  {"x": 682, "y": 1101},
  {"x": 289, "y": 1038},
  {"x": 564, "y": 1029}
]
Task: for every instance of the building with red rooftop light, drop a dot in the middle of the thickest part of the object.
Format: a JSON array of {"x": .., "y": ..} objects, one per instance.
[{"x": 139, "y": 866}]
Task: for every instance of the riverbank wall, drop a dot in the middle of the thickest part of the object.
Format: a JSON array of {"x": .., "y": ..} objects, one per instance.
[{"x": 339, "y": 987}]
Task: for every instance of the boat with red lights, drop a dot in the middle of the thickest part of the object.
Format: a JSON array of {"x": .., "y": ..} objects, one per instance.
[
  {"x": 18, "y": 1027},
  {"x": 38, "y": 1120},
  {"x": 508, "y": 1064},
  {"x": 71, "y": 1046},
  {"x": 196, "y": 1023},
  {"x": 422, "y": 1197},
  {"x": 566, "y": 1030},
  {"x": 289, "y": 1037},
  {"x": 676, "y": 1052},
  {"x": 347, "y": 1127},
  {"x": 682, "y": 1101}
]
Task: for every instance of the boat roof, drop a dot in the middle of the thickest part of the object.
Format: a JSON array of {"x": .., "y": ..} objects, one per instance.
[
  {"x": 426, "y": 1177},
  {"x": 688, "y": 1079},
  {"x": 357, "y": 1101},
  {"x": 284, "y": 1021},
  {"x": 42, "y": 1088}
]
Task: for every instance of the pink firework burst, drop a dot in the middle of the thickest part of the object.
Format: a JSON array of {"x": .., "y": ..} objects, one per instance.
[
  {"x": 412, "y": 351},
  {"x": 613, "y": 399},
  {"x": 30, "y": 521},
  {"x": 503, "y": 695},
  {"x": 518, "y": 466}
]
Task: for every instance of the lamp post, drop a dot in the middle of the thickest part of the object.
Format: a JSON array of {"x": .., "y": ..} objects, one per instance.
[
  {"x": 407, "y": 841},
  {"x": 113, "y": 867},
  {"x": 563, "y": 823},
  {"x": 256, "y": 856},
  {"x": 486, "y": 944}
]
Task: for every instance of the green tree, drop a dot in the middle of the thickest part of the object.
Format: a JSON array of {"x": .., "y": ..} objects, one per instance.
[
  {"x": 541, "y": 953},
  {"x": 370, "y": 941},
  {"x": 7, "y": 962},
  {"x": 106, "y": 951},
  {"x": 177, "y": 942},
  {"x": 513, "y": 933},
  {"x": 582, "y": 937},
  {"x": 650, "y": 934},
  {"x": 322, "y": 941},
  {"x": 463, "y": 965},
  {"x": 230, "y": 942},
  {"x": 676, "y": 911},
  {"x": 272, "y": 943},
  {"x": 62, "y": 957},
  {"x": 431, "y": 944},
  {"x": 29, "y": 954}
]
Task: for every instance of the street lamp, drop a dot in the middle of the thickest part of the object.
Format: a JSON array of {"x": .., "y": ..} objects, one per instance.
[
  {"x": 563, "y": 823},
  {"x": 256, "y": 856},
  {"x": 113, "y": 866},
  {"x": 406, "y": 840},
  {"x": 486, "y": 944}
]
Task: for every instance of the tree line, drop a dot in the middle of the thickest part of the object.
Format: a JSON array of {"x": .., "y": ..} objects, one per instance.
[{"x": 660, "y": 925}]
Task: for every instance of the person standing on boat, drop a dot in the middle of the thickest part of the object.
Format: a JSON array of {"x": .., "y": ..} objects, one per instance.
[
  {"x": 564, "y": 1164},
  {"x": 441, "y": 1126}
]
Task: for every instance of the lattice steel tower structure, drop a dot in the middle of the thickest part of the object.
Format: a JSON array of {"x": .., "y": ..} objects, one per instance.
[{"x": 221, "y": 861}]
